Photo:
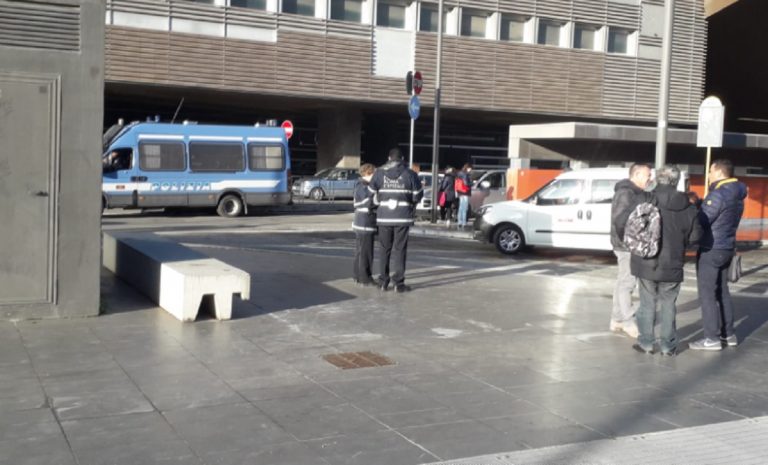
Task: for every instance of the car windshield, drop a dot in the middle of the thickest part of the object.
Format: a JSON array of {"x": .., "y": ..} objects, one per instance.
[
  {"x": 323, "y": 173},
  {"x": 558, "y": 192}
]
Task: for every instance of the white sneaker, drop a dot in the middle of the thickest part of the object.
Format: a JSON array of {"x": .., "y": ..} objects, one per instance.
[{"x": 630, "y": 329}]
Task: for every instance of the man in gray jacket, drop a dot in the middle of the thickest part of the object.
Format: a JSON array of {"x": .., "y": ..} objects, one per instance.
[{"x": 628, "y": 193}]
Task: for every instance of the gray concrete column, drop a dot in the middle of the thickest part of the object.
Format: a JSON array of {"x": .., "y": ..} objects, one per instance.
[{"x": 338, "y": 138}]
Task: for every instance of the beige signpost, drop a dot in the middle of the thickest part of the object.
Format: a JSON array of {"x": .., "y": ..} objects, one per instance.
[{"x": 710, "y": 131}]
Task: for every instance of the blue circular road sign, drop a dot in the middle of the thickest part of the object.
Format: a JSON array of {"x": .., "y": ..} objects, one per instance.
[{"x": 414, "y": 105}]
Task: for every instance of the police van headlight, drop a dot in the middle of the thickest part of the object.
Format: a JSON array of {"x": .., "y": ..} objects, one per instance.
[{"x": 484, "y": 209}]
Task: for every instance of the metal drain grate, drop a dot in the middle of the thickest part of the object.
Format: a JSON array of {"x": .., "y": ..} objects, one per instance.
[{"x": 350, "y": 360}]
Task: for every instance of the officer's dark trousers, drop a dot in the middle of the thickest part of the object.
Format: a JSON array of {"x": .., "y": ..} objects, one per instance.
[
  {"x": 394, "y": 244},
  {"x": 716, "y": 305},
  {"x": 361, "y": 268}
]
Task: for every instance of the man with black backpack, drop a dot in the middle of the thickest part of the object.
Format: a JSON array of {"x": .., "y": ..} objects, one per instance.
[
  {"x": 661, "y": 275},
  {"x": 628, "y": 192}
]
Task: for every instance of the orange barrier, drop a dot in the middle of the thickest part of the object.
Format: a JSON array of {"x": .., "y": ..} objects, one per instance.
[{"x": 523, "y": 183}]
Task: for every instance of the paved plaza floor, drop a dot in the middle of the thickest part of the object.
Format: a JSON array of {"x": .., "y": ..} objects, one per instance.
[{"x": 495, "y": 359}]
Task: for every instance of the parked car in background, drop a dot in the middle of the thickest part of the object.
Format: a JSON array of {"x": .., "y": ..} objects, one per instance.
[
  {"x": 330, "y": 183},
  {"x": 490, "y": 187},
  {"x": 424, "y": 207}
]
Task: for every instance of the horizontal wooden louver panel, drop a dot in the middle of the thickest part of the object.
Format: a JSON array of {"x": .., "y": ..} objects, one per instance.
[
  {"x": 555, "y": 9},
  {"x": 590, "y": 11},
  {"x": 30, "y": 24},
  {"x": 524, "y": 7}
]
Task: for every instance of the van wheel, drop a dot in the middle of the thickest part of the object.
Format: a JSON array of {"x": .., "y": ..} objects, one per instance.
[
  {"x": 509, "y": 239},
  {"x": 317, "y": 194},
  {"x": 230, "y": 206}
]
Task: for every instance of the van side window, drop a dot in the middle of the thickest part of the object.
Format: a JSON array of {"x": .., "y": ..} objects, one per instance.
[
  {"x": 561, "y": 192},
  {"x": 117, "y": 160},
  {"x": 161, "y": 156},
  {"x": 265, "y": 157},
  {"x": 602, "y": 190},
  {"x": 216, "y": 156}
]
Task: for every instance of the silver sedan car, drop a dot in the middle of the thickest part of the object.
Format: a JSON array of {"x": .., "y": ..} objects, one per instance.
[{"x": 330, "y": 183}]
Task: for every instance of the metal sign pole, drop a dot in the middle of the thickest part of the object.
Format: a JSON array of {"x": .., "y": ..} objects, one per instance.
[
  {"x": 666, "y": 65},
  {"x": 410, "y": 165},
  {"x": 436, "y": 133},
  {"x": 706, "y": 171}
]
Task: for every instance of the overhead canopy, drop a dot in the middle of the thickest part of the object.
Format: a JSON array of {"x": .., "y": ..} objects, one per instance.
[
  {"x": 713, "y": 6},
  {"x": 621, "y": 133}
]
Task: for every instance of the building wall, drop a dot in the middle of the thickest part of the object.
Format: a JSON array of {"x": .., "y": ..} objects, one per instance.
[{"x": 274, "y": 53}]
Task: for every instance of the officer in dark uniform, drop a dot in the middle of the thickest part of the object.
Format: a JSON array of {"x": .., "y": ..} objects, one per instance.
[
  {"x": 364, "y": 226},
  {"x": 397, "y": 190}
]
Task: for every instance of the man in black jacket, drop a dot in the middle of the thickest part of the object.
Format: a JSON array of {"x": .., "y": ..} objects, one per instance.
[
  {"x": 397, "y": 190},
  {"x": 721, "y": 212},
  {"x": 628, "y": 193},
  {"x": 660, "y": 277}
]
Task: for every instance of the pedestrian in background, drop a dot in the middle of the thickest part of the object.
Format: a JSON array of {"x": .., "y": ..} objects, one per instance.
[
  {"x": 721, "y": 213},
  {"x": 627, "y": 194},
  {"x": 463, "y": 185},
  {"x": 660, "y": 277},
  {"x": 364, "y": 226},
  {"x": 447, "y": 191},
  {"x": 397, "y": 190}
]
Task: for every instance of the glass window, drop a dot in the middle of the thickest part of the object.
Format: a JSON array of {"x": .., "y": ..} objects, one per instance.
[
  {"x": 210, "y": 156},
  {"x": 473, "y": 23},
  {"x": 618, "y": 40},
  {"x": 161, "y": 156},
  {"x": 602, "y": 190},
  {"x": 549, "y": 32},
  {"x": 255, "y": 4},
  {"x": 390, "y": 15},
  {"x": 496, "y": 180},
  {"x": 428, "y": 18},
  {"x": 347, "y": 10},
  {"x": 299, "y": 7},
  {"x": 266, "y": 157},
  {"x": 117, "y": 160},
  {"x": 584, "y": 36},
  {"x": 560, "y": 192},
  {"x": 513, "y": 28}
]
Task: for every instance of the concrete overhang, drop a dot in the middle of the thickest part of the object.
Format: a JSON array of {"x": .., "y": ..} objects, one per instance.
[
  {"x": 620, "y": 133},
  {"x": 713, "y": 6}
]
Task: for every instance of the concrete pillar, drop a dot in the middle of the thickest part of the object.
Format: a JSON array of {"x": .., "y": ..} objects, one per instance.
[{"x": 338, "y": 138}]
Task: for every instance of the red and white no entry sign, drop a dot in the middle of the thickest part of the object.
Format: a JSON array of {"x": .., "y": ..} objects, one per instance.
[
  {"x": 288, "y": 127},
  {"x": 417, "y": 83}
]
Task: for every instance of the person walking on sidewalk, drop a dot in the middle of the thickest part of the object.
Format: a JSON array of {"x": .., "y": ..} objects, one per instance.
[
  {"x": 397, "y": 190},
  {"x": 364, "y": 226},
  {"x": 660, "y": 277},
  {"x": 464, "y": 191},
  {"x": 721, "y": 213},
  {"x": 447, "y": 190},
  {"x": 627, "y": 194}
]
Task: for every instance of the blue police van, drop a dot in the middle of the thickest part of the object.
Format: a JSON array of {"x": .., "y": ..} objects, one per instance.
[{"x": 155, "y": 165}]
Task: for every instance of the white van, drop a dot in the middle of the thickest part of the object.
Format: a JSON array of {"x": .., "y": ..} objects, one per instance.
[{"x": 571, "y": 211}]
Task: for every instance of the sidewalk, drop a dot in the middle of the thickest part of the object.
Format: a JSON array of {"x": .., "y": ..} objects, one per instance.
[{"x": 484, "y": 360}]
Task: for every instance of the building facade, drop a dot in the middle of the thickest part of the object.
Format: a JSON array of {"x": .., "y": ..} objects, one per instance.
[{"x": 503, "y": 61}]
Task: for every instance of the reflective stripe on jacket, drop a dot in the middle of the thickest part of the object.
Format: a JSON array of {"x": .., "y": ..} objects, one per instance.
[{"x": 364, "y": 220}]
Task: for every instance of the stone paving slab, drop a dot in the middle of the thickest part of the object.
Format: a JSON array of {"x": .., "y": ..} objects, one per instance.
[{"x": 740, "y": 442}]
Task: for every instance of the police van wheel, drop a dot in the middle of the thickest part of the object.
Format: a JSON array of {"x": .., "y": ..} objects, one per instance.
[
  {"x": 230, "y": 206},
  {"x": 317, "y": 194},
  {"x": 509, "y": 239}
]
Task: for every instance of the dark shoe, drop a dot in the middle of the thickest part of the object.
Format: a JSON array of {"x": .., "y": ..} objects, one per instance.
[
  {"x": 366, "y": 283},
  {"x": 400, "y": 288},
  {"x": 642, "y": 349},
  {"x": 669, "y": 353},
  {"x": 384, "y": 285}
]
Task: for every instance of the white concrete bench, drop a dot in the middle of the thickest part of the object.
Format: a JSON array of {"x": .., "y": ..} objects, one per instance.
[{"x": 173, "y": 276}]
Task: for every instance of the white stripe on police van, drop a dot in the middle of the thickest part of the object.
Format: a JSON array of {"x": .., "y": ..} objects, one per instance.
[
  {"x": 160, "y": 136},
  {"x": 217, "y": 138},
  {"x": 126, "y": 186},
  {"x": 244, "y": 184},
  {"x": 264, "y": 139}
]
